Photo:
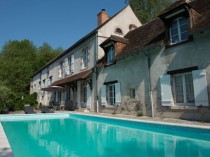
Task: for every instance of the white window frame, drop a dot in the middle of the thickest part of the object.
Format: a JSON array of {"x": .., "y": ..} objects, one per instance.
[
  {"x": 179, "y": 30},
  {"x": 185, "y": 103},
  {"x": 113, "y": 97},
  {"x": 110, "y": 55}
]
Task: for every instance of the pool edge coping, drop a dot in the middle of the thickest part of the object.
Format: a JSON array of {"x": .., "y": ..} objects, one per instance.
[
  {"x": 147, "y": 121},
  {"x": 133, "y": 119}
]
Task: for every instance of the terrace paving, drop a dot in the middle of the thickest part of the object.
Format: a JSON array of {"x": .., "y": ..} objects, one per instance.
[{"x": 5, "y": 149}]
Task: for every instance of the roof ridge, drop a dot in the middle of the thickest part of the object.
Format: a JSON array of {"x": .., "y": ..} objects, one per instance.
[{"x": 79, "y": 41}]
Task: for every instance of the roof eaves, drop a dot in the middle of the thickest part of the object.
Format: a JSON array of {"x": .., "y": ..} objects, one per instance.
[{"x": 79, "y": 41}]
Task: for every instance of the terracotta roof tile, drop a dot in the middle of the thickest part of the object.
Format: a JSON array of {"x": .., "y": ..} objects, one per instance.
[
  {"x": 76, "y": 77},
  {"x": 143, "y": 37},
  {"x": 153, "y": 33}
]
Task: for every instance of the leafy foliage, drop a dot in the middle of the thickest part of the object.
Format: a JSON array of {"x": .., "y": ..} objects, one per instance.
[
  {"x": 147, "y": 10},
  {"x": 18, "y": 61}
]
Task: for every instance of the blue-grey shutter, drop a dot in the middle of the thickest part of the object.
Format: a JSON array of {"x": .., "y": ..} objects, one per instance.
[
  {"x": 200, "y": 87},
  {"x": 66, "y": 66},
  {"x": 88, "y": 96},
  {"x": 166, "y": 94},
  {"x": 103, "y": 95},
  {"x": 72, "y": 63},
  {"x": 117, "y": 94}
]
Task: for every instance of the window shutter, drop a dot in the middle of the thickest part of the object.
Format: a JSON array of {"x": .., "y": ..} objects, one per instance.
[
  {"x": 103, "y": 95},
  {"x": 48, "y": 82},
  {"x": 59, "y": 72},
  {"x": 88, "y": 57},
  {"x": 88, "y": 96},
  {"x": 72, "y": 63},
  {"x": 81, "y": 60},
  {"x": 200, "y": 87},
  {"x": 117, "y": 94},
  {"x": 166, "y": 94},
  {"x": 66, "y": 66}
]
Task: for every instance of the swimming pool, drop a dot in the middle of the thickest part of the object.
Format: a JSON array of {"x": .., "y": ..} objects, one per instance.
[{"x": 74, "y": 135}]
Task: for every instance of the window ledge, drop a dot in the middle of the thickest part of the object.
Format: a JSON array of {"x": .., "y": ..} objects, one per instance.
[
  {"x": 82, "y": 69},
  {"x": 110, "y": 106},
  {"x": 190, "y": 39},
  {"x": 184, "y": 107}
]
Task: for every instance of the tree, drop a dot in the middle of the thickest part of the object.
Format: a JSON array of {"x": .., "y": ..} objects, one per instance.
[
  {"x": 19, "y": 60},
  {"x": 45, "y": 53},
  {"x": 147, "y": 10}
]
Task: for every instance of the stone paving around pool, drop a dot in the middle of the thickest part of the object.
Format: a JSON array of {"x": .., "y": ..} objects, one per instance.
[{"x": 5, "y": 149}]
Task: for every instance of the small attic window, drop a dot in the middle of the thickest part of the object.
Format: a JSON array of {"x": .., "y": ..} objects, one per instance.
[
  {"x": 118, "y": 31},
  {"x": 132, "y": 27},
  {"x": 179, "y": 30}
]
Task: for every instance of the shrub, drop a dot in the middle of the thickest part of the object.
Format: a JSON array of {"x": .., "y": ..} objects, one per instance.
[{"x": 139, "y": 114}]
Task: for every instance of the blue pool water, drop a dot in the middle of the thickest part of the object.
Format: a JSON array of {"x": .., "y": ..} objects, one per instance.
[{"x": 87, "y": 136}]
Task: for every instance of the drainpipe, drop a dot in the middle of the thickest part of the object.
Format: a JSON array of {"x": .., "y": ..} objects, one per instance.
[
  {"x": 96, "y": 72},
  {"x": 150, "y": 84}
]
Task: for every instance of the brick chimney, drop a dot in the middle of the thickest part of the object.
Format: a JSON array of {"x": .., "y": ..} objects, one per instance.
[{"x": 102, "y": 17}]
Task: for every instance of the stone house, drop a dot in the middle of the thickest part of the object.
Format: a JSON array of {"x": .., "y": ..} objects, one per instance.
[
  {"x": 70, "y": 79},
  {"x": 161, "y": 68}
]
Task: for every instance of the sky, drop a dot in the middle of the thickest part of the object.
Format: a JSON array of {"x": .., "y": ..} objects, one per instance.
[{"x": 58, "y": 22}]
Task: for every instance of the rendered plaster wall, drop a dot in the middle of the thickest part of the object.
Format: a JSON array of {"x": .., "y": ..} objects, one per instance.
[
  {"x": 53, "y": 68},
  {"x": 131, "y": 72},
  {"x": 195, "y": 53}
]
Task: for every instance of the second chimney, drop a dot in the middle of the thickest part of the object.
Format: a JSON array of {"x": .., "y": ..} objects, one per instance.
[{"x": 102, "y": 17}]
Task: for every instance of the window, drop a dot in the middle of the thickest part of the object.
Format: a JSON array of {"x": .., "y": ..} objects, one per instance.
[
  {"x": 118, "y": 31},
  {"x": 179, "y": 30},
  {"x": 68, "y": 93},
  {"x": 132, "y": 27},
  {"x": 34, "y": 87},
  {"x": 84, "y": 92},
  {"x": 111, "y": 94},
  {"x": 71, "y": 63},
  {"x": 61, "y": 70},
  {"x": 50, "y": 80},
  {"x": 43, "y": 83},
  {"x": 85, "y": 59},
  {"x": 39, "y": 85},
  {"x": 132, "y": 93},
  {"x": 59, "y": 96},
  {"x": 110, "y": 55},
  {"x": 188, "y": 88},
  {"x": 183, "y": 88}
]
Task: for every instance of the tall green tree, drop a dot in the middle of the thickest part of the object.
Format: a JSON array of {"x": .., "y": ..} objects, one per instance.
[
  {"x": 18, "y": 62},
  {"x": 147, "y": 10},
  {"x": 45, "y": 53}
]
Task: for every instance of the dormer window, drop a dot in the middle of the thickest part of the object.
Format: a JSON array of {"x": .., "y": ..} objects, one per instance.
[
  {"x": 179, "y": 30},
  {"x": 110, "y": 55},
  {"x": 118, "y": 31}
]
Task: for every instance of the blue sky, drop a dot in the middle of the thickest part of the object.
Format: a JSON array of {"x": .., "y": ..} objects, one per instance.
[{"x": 57, "y": 22}]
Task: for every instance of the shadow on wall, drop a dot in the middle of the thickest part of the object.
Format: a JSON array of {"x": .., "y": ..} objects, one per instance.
[{"x": 130, "y": 73}]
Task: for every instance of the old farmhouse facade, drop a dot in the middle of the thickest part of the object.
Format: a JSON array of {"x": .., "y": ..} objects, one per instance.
[
  {"x": 161, "y": 68},
  {"x": 69, "y": 79}
]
